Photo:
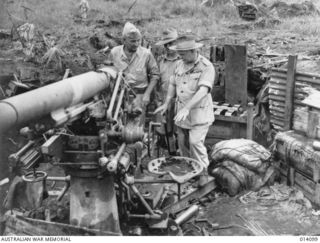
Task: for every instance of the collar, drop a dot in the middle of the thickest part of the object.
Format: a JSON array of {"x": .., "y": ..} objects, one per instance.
[
  {"x": 171, "y": 59},
  {"x": 124, "y": 56},
  {"x": 198, "y": 60},
  {"x": 189, "y": 68}
]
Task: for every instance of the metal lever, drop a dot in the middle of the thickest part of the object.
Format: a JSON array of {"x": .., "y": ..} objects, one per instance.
[
  {"x": 14, "y": 158},
  {"x": 116, "y": 113},
  {"x": 152, "y": 125},
  {"x": 113, "y": 164},
  {"x": 114, "y": 95}
]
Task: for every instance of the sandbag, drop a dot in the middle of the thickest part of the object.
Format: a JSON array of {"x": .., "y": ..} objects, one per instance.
[
  {"x": 234, "y": 178},
  {"x": 244, "y": 152},
  {"x": 226, "y": 180}
]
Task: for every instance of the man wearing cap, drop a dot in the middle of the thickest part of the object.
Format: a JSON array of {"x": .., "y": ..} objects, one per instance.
[
  {"x": 139, "y": 67},
  {"x": 167, "y": 65},
  {"x": 191, "y": 84}
]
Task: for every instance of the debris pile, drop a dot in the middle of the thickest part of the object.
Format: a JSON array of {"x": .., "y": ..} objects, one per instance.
[
  {"x": 285, "y": 10},
  {"x": 250, "y": 11},
  {"x": 247, "y": 11}
]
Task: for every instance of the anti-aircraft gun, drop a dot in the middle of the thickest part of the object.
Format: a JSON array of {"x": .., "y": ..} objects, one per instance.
[
  {"x": 75, "y": 124},
  {"x": 86, "y": 125}
]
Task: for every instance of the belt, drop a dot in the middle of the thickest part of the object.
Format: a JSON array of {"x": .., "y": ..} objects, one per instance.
[{"x": 139, "y": 90}]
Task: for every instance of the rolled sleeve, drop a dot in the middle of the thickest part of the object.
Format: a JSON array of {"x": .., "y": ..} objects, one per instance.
[{"x": 207, "y": 77}]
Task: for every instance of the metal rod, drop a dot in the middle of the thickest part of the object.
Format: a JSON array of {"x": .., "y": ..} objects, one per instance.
[
  {"x": 151, "y": 131},
  {"x": 16, "y": 156},
  {"x": 161, "y": 181},
  {"x": 63, "y": 192},
  {"x": 145, "y": 204},
  {"x": 115, "y": 117},
  {"x": 114, "y": 95},
  {"x": 113, "y": 164},
  {"x": 4, "y": 181},
  {"x": 145, "y": 216},
  {"x": 74, "y": 163},
  {"x": 81, "y": 152},
  {"x": 58, "y": 178},
  {"x": 185, "y": 216}
]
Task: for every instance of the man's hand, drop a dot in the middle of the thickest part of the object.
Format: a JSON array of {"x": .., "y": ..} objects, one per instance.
[
  {"x": 182, "y": 114},
  {"x": 146, "y": 98},
  {"x": 162, "y": 109}
]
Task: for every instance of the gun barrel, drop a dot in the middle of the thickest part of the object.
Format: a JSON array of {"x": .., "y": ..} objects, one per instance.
[{"x": 23, "y": 108}]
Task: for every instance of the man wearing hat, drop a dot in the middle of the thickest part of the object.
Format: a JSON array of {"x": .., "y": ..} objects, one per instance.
[
  {"x": 139, "y": 67},
  {"x": 167, "y": 65},
  {"x": 191, "y": 85}
]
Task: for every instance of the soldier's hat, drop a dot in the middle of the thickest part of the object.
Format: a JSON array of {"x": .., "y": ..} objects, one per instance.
[
  {"x": 185, "y": 43},
  {"x": 130, "y": 30},
  {"x": 169, "y": 35}
]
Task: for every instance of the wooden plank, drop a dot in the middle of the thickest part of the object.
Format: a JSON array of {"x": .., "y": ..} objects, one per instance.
[
  {"x": 276, "y": 104},
  {"x": 277, "y": 113},
  {"x": 219, "y": 130},
  {"x": 187, "y": 199},
  {"x": 290, "y": 176},
  {"x": 250, "y": 121},
  {"x": 236, "y": 75},
  {"x": 292, "y": 64},
  {"x": 209, "y": 142},
  {"x": 213, "y": 54},
  {"x": 313, "y": 122},
  {"x": 238, "y": 119},
  {"x": 279, "y": 70},
  {"x": 276, "y": 122},
  {"x": 217, "y": 93},
  {"x": 300, "y": 120},
  {"x": 302, "y": 183},
  {"x": 19, "y": 225},
  {"x": 309, "y": 75}
]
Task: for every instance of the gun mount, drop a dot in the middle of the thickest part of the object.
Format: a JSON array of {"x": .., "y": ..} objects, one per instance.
[{"x": 81, "y": 126}]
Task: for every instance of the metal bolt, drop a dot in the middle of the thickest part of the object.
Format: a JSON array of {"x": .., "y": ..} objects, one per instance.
[{"x": 173, "y": 228}]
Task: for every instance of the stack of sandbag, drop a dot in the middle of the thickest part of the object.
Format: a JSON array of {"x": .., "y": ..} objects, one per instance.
[{"x": 240, "y": 164}]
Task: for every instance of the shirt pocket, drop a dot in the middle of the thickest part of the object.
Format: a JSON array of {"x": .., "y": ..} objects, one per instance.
[
  {"x": 140, "y": 74},
  {"x": 193, "y": 81},
  {"x": 203, "y": 113},
  {"x": 201, "y": 116}
]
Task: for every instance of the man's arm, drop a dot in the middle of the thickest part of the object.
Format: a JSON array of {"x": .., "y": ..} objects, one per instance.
[
  {"x": 154, "y": 76},
  {"x": 202, "y": 92},
  {"x": 184, "y": 112},
  {"x": 171, "y": 93}
]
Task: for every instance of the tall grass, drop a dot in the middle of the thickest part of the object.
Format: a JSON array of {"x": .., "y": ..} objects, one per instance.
[
  {"x": 308, "y": 26},
  {"x": 57, "y": 16},
  {"x": 54, "y": 15}
]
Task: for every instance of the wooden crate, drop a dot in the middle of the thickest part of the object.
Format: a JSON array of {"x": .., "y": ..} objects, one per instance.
[
  {"x": 301, "y": 181},
  {"x": 304, "y": 122},
  {"x": 297, "y": 151},
  {"x": 230, "y": 123}
]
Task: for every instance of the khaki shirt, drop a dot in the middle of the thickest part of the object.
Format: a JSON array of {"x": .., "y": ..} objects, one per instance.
[
  {"x": 187, "y": 81},
  {"x": 138, "y": 71},
  {"x": 167, "y": 68}
]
